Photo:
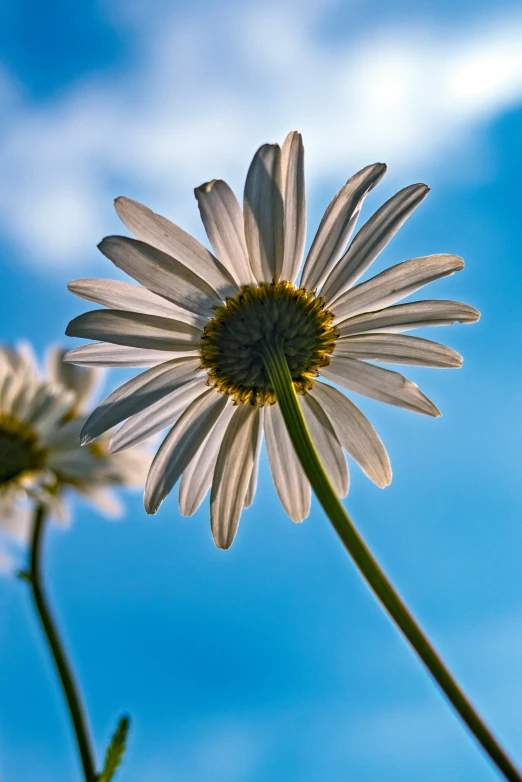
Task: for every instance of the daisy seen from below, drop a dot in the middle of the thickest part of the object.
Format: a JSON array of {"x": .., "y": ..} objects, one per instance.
[
  {"x": 41, "y": 463},
  {"x": 205, "y": 323},
  {"x": 238, "y": 345},
  {"x": 41, "y": 460}
]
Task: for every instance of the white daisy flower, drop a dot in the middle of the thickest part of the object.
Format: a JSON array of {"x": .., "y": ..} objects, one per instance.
[
  {"x": 40, "y": 455},
  {"x": 203, "y": 323}
]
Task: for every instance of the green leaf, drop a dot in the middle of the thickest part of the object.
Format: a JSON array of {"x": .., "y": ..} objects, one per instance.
[{"x": 115, "y": 750}]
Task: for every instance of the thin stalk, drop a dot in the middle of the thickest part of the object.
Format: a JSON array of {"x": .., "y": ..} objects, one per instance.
[
  {"x": 63, "y": 668},
  {"x": 281, "y": 380}
]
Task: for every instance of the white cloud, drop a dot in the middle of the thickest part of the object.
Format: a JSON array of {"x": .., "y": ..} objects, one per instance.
[{"x": 205, "y": 90}]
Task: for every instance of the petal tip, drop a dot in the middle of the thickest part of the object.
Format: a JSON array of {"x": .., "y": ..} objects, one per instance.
[
  {"x": 297, "y": 518},
  {"x": 267, "y": 148},
  {"x": 151, "y": 503},
  {"x": 291, "y": 135},
  {"x": 222, "y": 545},
  {"x": 459, "y": 361},
  {"x": 206, "y": 187},
  {"x": 120, "y": 202},
  {"x": 387, "y": 477},
  {"x": 222, "y": 538}
]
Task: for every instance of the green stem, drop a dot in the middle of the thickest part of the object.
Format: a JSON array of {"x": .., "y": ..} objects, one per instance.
[
  {"x": 69, "y": 687},
  {"x": 281, "y": 380}
]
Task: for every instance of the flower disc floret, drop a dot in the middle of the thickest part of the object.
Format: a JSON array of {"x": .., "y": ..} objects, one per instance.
[
  {"x": 272, "y": 314},
  {"x": 19, "y": 450}
]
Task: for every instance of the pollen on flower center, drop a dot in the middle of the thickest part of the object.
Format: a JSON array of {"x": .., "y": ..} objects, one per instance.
[
  {"x": 274, "y": 314},
  {"x": 19, "y": 450}
]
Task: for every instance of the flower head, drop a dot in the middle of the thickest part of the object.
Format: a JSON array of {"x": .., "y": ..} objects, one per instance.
[
  {"x": 40, "y": 455},
  {"x": 203, "y": 323}
]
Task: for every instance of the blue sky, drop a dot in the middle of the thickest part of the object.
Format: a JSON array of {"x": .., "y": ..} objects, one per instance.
[{"x": 272, "y": 660}]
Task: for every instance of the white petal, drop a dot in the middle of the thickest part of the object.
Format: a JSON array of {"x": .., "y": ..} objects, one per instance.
[
  {"x": 394, "y": 284},
  {"x": 104, "y": 354},
  {"x": 42, "y": 401},
  {"x": 377, "y": 383},
  {"x": 404, "y": 317},
  {"x": 135, "y": 330},
  {"x": 252, "y": 484},
  {"x": 118, "y": 295},
  {"x": 17, "y": 521},
  {"x": 82, "y": 381},
  {"x": 157, "y": 416},
  {"x": 263, "y": 213},
  {"x": 103, "y": 498},
  {"x": 289, "y": 478},
  {"x": 337, "y": 225},
  {"x": 78, "y": 464},
  {"x": 355, "y": 433},
  {"x": 22, "y": 360},
  {"x": 327, "y": 444},
  {"x": 372, "y": 239},
  {"x": 149, "y": 227},
  {"x": 232, "y": 474},
  {"x": 137, "y": 394},
  {"x": 22, "y": 399},
  {"x": 294, "y": 202},
  {"x": 9, "y": 391},
  {"x": 161, "y": 273},
  {"x": 129, "y": 468},
  {"x": 67, "y": 436},
  {"x": 56, "y": 506},
  {"x": 223, "y": 220},
  {"x": 197, "y": 478},
  {"x": 181, "y": 445},
  {"x": 397, "y": 349},
  {"x": 46, "y": 410}
]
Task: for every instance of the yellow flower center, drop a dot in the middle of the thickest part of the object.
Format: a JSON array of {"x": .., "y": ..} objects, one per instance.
[
  {"x": 19, "y": 450},
  {"x": 272, "y": 314},
  {"x": 98, "y": 449}
]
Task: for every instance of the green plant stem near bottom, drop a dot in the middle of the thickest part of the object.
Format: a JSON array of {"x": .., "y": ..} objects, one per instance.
[
  {"x": 69, "y": 686},
  {"x": 281, "y": 380}
]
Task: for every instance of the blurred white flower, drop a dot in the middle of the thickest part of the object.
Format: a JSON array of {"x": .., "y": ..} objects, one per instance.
[
  {"x": 40, "y": 455},
  {"x": 202, "y": 320}
]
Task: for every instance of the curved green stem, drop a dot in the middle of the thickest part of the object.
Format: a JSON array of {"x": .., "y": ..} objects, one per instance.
[
  {"x": 281, "y": 380},
  {"x": 69, "y": 687}
]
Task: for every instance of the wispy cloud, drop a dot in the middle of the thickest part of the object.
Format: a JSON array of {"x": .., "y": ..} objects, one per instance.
[
  {"x": 203, "y": 92},
  {"x": 407, "y": 730},
  {"x": 224, "y": 751}
]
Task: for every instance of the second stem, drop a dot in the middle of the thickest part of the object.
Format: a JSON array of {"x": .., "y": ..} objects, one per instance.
[{"x": 63, "y": 668}]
